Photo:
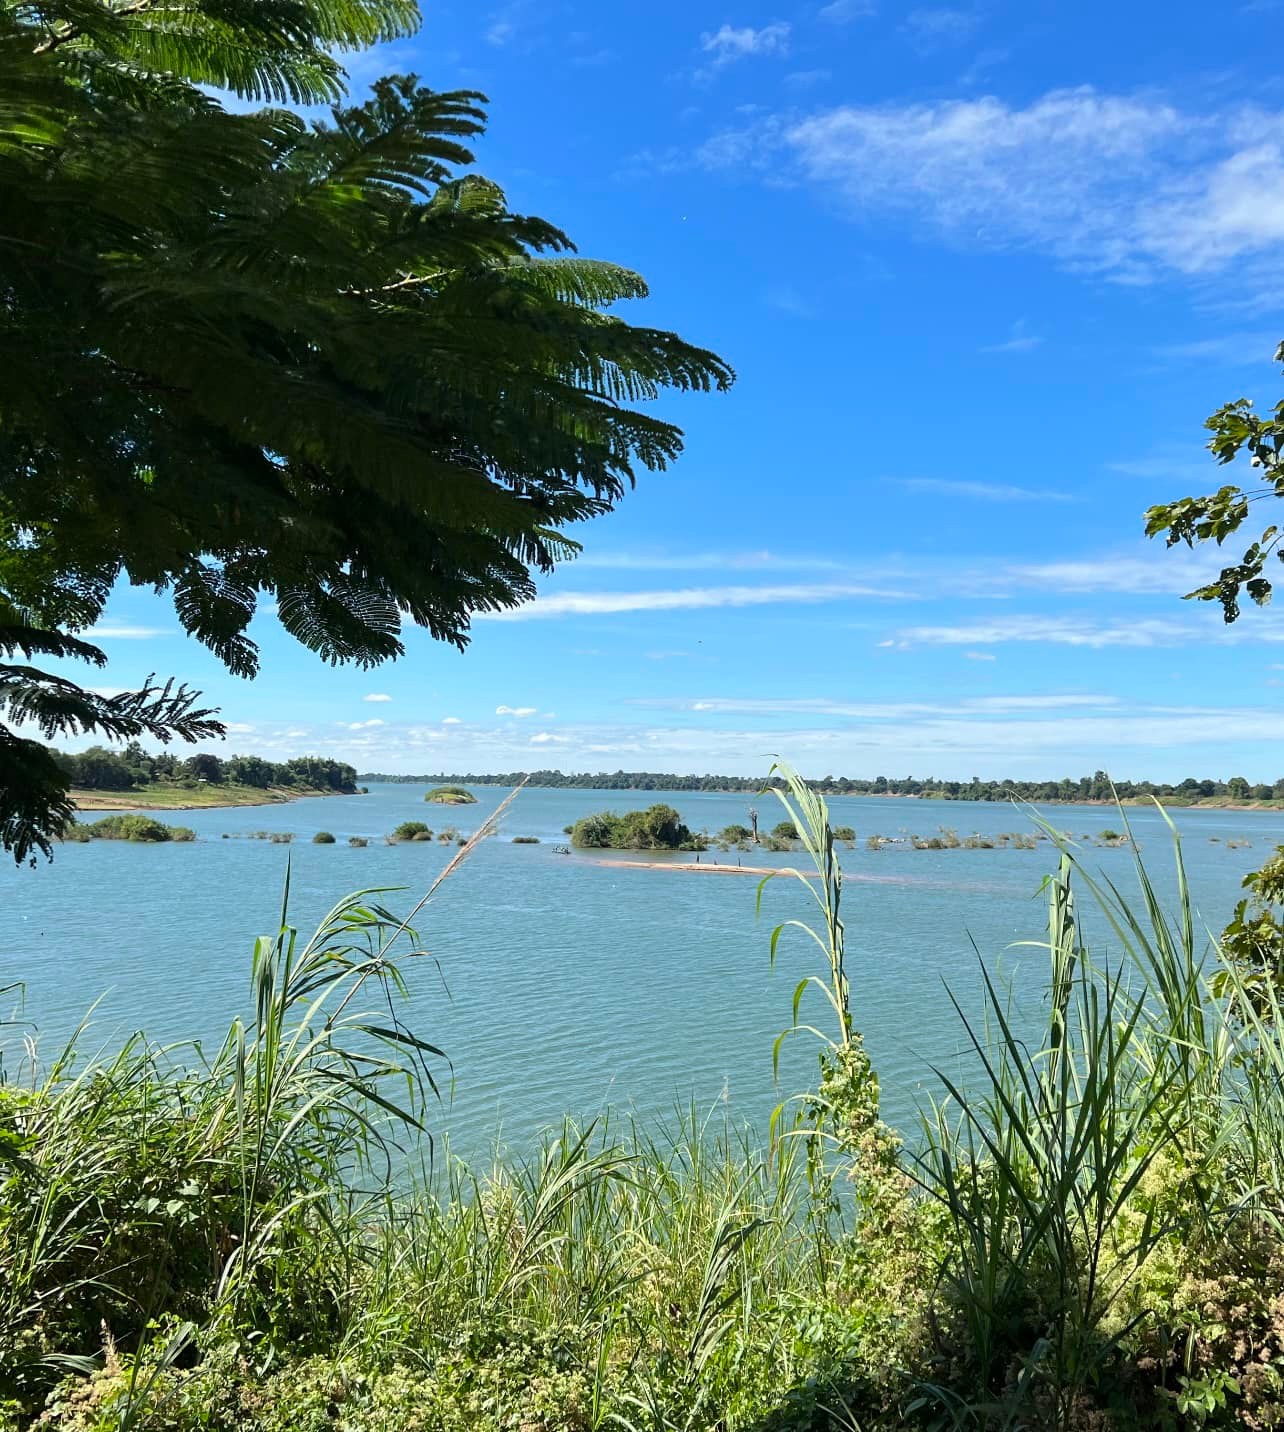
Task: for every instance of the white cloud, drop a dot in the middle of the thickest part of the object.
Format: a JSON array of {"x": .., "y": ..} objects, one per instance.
[
  {"x": 686, "y": 599},
  {"x": 123, "y": 631},
  {"x": 1019, "y": 340},
  {"x": 729, "y": 44},
  {"x": 985, "y": 491},
  {"x": 450, "y": 721},
  {"x": 362, "y": 725},
  {"x": 377, "y": 696},
  {"x": 544, "y": 738},
  {"x": 980, "y": 656},
  {"x": 1126, "y": 185},
  {"x": 515, "y": 710}
]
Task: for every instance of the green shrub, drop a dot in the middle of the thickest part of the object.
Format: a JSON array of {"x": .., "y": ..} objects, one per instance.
[
  {"x": 358, "y": 840},
  {"x": 735, "y": 834},
  {"x": 785, "y": 830},
  {"x": 411, "y": 830},
  {"x": 844, "y": 833},
  {"x": 526, "y": 840},
  {"x": 140, "y": 828},
  {"x": 451, "y": 795},
  {"x": 323, "y": 837},
  {"x": 659, "y": 827},
  {"x": 75, "y": 834}
]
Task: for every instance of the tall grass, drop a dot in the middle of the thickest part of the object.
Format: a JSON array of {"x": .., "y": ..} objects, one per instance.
[{"x": 1088, "y": 1231}]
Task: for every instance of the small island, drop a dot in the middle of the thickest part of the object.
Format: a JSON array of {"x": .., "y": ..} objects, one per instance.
[{"x": 451, "y": 795}]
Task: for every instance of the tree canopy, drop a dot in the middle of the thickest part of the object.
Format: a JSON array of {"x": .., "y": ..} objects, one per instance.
[
  {"x": 249, "y": 355},
  {"x": 1219, "y": 515}
]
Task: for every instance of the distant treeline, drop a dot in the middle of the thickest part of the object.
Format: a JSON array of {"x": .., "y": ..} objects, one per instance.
[
  {"x": 1096, "y": 787},
  {"x": 99, "y": 769}
]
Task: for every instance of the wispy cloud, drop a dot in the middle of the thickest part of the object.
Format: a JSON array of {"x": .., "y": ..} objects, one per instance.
[
  {"x": 1130, "y": 186},
  {"x": 362, "y": 725},
  {"x": 827, "y": 708},
  {"x": 689, "y": 599},
  {"x": 516, "y": 710},
  {"x": 843, "y": 12},
  {"x": 934, "y": 28},
  {"x": 1019, "y": 340},
  {"x": 450, "y": 721},
  {"x": 804, "y": 79},
  {"x": 666, "y": 561},
  {"x": 730, "y": 43},
  {"x": 984, "y": 491},
  {"x": 1087, "y": 632},
  {"x": 123, "y": 631},
  {"x": 980, "y": 656},
  {"x": 377, "y": 696},
  {"x": 1233, "y": 350}
]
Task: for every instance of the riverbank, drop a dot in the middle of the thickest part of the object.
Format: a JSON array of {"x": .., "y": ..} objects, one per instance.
[{"x": 158, "y": 796}]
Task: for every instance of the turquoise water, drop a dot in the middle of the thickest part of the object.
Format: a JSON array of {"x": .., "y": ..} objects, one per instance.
[{"x": 566, "y": 987}]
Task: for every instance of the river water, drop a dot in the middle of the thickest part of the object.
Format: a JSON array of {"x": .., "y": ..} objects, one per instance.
[{"x": 563, "y": 986}]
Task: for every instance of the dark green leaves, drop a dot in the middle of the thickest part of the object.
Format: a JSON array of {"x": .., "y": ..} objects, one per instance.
[{"x": 1236, "y": 430}]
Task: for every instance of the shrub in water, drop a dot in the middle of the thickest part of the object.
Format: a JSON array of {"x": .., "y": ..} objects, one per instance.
[
  {"x": 412, "y": 830},
  {"x": 137, "y": 828},
  {"x": 358, "y": 840},
  {"x": 526, "y": 840},
  {"x": 785, "y": 830},
  {"x": 323, "y": 837},
  {"x": 844, "y": 833}
]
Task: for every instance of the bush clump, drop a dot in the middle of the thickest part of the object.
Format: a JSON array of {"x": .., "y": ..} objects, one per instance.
[
  {"x": 735, "y": 834},
  {"x": 411, "y": 830},
  {"x": 526, "y": 840},
  {"x": 139, "y": 828},
  {"x": 323, "y": 837},
  {"x": 844, "y": 833},
  {"x": 659, "y": 827},
  {"x": 785, "y": 830},
  {"x": 359, "y": 841}
]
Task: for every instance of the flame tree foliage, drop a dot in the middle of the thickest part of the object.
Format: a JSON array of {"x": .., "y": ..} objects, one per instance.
[{"x": 246, "y": 354}]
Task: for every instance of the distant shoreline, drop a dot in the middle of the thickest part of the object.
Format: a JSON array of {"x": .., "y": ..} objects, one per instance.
[{"x": 1173, "y": 802}]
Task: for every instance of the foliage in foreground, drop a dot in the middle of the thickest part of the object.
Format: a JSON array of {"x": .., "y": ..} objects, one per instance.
[
  {"x": 1086, "y": 1234},
  {"x": 321, "y": 361}
]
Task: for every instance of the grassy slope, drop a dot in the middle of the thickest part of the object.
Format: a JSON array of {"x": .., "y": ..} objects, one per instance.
[{"x": 174, "y": 797}]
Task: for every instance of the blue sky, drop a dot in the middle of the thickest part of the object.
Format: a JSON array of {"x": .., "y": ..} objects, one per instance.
[{"x": 983, "y": 271}]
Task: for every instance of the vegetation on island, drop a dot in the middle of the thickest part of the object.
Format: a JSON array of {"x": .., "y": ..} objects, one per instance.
[
  {"x": 451, "y": 795},
  {"x": 659, "y": 827},
  {"x": 1084, "y": 1234},
  {"x": 411, "y": 830},
  {"x": 1096, "y": 789},
  {"x": 318, "y": 360}
]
